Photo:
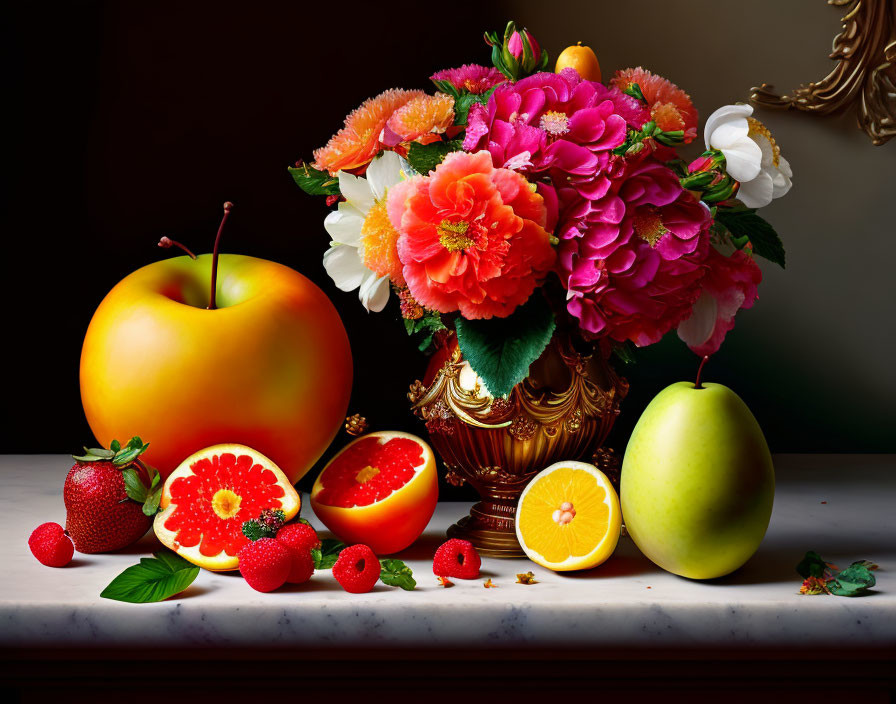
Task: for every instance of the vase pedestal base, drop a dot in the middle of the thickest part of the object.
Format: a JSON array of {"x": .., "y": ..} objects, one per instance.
[{"x": 490, "y": 528}]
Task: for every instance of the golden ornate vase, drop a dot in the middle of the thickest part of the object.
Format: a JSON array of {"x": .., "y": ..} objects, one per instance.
[{"x": 562, "y": 411}]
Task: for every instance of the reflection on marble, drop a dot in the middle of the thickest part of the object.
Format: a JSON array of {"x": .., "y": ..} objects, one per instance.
[{"x": 840, "y": 506}]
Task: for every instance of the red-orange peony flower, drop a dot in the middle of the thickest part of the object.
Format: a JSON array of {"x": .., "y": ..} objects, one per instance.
[
  {"x": 358, "y": 141},
  {"x": 471, "y": 237},
  {"x": 670, "y": 107}
]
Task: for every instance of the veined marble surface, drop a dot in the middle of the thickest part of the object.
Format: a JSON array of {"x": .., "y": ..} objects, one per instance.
[{"x": 844, "y": 507}]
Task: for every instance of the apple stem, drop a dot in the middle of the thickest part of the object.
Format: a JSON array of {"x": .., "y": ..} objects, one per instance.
[
  {"x": 699, "y": 372},
  {"x": 211, "y": 298},
  {"x": 167, "y": 243}
]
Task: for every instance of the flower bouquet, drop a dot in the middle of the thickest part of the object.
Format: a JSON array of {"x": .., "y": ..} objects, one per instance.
[{"x": 515, "y": 204}]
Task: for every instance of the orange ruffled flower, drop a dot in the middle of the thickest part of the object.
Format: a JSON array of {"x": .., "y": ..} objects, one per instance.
[
  {"x": 358, "y": 141},
  {"x": 423, "y": 119},
  {"x": 670, "y": 107},
  {"x": 471, "y": 237}
]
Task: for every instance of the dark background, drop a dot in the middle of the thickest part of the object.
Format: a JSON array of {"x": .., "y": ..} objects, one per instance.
[{"x": 127, "y": 121}]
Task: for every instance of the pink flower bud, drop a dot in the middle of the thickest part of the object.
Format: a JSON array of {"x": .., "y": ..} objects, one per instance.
[{"x": 515, "y": 45}]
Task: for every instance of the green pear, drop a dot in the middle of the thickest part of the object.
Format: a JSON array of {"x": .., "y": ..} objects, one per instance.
[{"x": 697, "y": 481}]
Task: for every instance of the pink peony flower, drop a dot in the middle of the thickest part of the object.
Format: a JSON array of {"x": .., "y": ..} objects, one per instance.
[
  {"x": 551, "y": 122},
  {"x": 515, "y": 45},
  {"x": 729, "y": 285},
  {"x": 471, "y": 237},
  {"x": 470, "y": 77},
  {"x": 632, "y": 257}
]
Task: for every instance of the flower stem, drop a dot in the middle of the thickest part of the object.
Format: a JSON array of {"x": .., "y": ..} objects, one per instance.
[{"x": 211, "y": 298}]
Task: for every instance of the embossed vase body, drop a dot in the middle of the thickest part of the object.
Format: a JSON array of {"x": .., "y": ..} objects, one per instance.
[{"x": 562, "y": 411}]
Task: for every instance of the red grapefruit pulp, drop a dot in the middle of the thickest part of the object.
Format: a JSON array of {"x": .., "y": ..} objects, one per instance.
[
  {"x": 206, "y": 500},
  {"x": 380, "y": 490}
]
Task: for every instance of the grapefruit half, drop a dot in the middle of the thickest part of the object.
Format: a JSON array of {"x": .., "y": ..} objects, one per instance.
[
  {"x": 380, "y": 490},
  {"x": 206, "y": 500}
]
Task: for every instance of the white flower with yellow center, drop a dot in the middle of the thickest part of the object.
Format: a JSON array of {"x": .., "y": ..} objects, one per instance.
[
  {"x": 362, "y": 254},
  {"x": 751, "y": 154}
]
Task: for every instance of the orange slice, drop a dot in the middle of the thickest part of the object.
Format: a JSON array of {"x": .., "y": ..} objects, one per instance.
[{"x": 568, "y": 517}]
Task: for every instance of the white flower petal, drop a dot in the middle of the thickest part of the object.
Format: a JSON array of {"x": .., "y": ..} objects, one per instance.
[
  {"x": 345, "y": 267},
  {"x": 356, "y": 191},
  {"x": 724, "y": 114},
  {"x": 699, "y": 327},
  {"x": 384, "y": 171},
  {"x": 756, "y": 193},
  {"x": 344, "y": 225},
  {"x": 730, "y": 134},
  {"x": 743, "y": 161},
  {"x": 374, "y": 292},
  {"x": 780, "y": 183},
  {"x": 784, "y": 167}
]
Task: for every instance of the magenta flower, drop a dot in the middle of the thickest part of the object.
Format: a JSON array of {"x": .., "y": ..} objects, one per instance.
[
  {"x": 470, "y": 77},
  {"x": 632, "y": 257},
  {"x": 551, "y": 122},
  {"x": 729, "y": 285}
]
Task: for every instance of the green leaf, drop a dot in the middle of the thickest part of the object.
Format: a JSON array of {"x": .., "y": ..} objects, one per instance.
[
  {"x": 501, "y": 350},
  {"x": 151, "y": 506},
  {"x": 625, "y": 351},
  {"x": 326, "y": 556},
  {"x": 130, "y": 452},
  {"x": 314, "y": 182},
  {"x": 812, "y": 565},
  {"x": 853, "y": 581},
  {"x": 465, "y": 101},
  {"x": 746, "y": 223},
  {"x": 303, "y": 520},
  {"x": 426, "y": 157},
  {"x": 133, "y": 485},
  {"x": 94, "y": 454},
  {"x": 154, "y": 579},
  {"x": 114, "y": 446},
  {"x": 397, "y": 574}
]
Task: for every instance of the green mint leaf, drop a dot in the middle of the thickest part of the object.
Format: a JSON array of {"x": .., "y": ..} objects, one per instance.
[
  {"x": 133, "y": 485},
  {"x": 397, "y": 574},
  {"x": 853, "y": 581},
  {"x": 811, "y": 565},
  {"x": 328, "y": 553},
  {"x": 746, "y": 223},
  {"x": 314, "y": 182},
  {"x": 154, "y": 579},
  {"x": 501, "y": 350},
  {"x": 151, "y": 505},
  {"x": 426, "y": 157}
]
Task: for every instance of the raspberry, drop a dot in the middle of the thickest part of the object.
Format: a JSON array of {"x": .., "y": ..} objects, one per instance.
[
  {"x": 456, "y": 558},
  {"x": 357, "y": 569},
  {"x": 50, "y": 545},
  {"x": 300, "y": 538},
  {"x": 265, "y": 564}
]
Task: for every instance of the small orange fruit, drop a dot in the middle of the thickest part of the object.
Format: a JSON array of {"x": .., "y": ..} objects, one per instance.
[
  {"x": 568, "y": 517},
  {"x": 582, "y": 59},
  {"x": 380, "y": 490}
]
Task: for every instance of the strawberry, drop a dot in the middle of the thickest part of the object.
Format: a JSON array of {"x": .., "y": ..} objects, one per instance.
[{"x": 108, "y": 506}]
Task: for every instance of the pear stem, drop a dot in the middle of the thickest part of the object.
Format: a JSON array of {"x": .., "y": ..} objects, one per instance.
[
  {"x": 211, "y": 298},
  {"x": 167, "y": 243},
  {"x": 700, "y": 371}
]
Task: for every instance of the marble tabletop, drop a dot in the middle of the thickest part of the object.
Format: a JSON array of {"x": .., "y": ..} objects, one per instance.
[{"x": 841, "y": 506}]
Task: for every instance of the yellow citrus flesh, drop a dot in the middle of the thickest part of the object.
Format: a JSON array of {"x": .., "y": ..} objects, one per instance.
[{"x": 568, "y": 517}]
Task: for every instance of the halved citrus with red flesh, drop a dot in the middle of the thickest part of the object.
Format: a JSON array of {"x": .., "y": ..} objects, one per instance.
[
  {"x": 380, "y": 490},
  {"x": 206, "y": 500},
  {"x": 568, "y": 517}
]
